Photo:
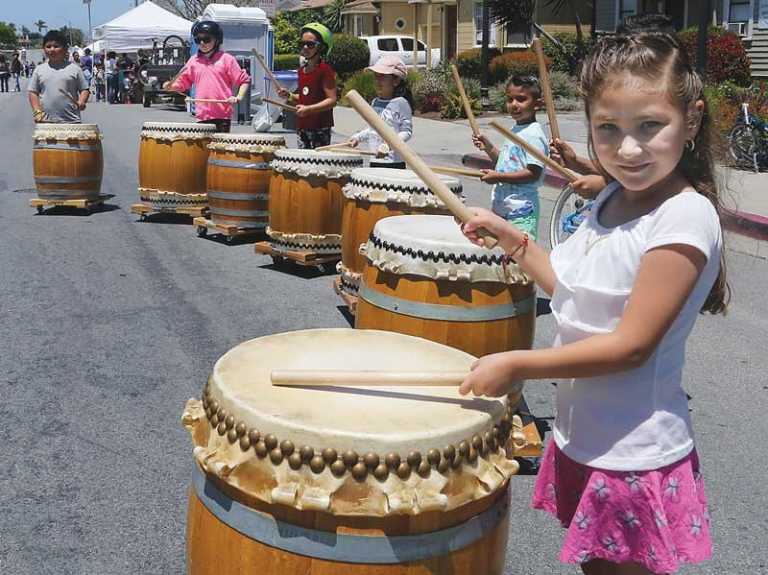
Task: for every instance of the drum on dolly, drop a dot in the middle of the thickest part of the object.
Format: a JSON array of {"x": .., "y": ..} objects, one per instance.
[
  {"x": 68, "y": 164},
  {"x": 424, "y": 278},
  {"x": 305, "y": 205},
  {"x": 370, "y": 195},
  {"x": 238, "y": 182},
  {"x": 346, "y": 481},
  {"x": 173, "y": 158}
]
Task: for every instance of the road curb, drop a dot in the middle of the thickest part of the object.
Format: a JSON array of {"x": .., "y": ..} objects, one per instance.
[{"x": 743, "y": 223}]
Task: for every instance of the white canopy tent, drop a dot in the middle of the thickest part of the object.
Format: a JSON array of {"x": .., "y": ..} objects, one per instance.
[{"x": 139, "y": 27}]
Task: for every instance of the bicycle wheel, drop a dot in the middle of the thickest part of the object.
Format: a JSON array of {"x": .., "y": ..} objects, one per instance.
[
  {"x": 569, "y": 211},
  {"x": 742, "y": 146}
]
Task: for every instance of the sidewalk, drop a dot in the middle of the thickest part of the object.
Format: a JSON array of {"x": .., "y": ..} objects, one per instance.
[{"x": 744, "y": 194}]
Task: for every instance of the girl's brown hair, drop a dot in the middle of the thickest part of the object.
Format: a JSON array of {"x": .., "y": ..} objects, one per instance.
[{"x": 647, "y": 56}]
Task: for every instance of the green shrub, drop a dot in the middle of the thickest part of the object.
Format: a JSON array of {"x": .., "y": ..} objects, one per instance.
[
  {"x": 430, "y": 89},
  {"x": 349, "y": 55},
  {"x": 468, "y": 62},
  {"x": 497, "y": 95},
  {"x": 511, "y": 63},
  {"x": 570, "y": 57},
  {"x": 286, "y": 35},
  {"x": 364, "y": 82},
  {"x": 567, "y": 104},
  {"x": 727, "y": 59},
  {"x": 563, "y": 85},
  {"x": 286, "y": 62}
]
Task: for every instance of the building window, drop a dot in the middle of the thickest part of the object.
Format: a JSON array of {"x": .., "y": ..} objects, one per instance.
[
  {"x": 739, "y": 11},
  {"x": 400, "y": 24},
  {"x": 479, "y": 27},
  {"x": 518, "y": 35},
  {"x": 627, "y": 8}
]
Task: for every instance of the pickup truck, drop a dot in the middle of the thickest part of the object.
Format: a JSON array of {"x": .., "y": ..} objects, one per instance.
[{"x": 401, "y": 46}]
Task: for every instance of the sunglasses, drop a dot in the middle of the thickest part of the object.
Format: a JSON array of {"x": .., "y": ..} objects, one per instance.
[
  {"x": 203, "y": 39},
  {"x": 308, "y": 44}
]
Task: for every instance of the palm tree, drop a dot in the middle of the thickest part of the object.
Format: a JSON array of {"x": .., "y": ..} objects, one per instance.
[
  {"x": 332, "y": 16},
  {"x": 40, "y": 25},
  {"x": 557, "y": 7}
]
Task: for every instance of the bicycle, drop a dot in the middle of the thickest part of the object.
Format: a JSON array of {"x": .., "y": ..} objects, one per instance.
[
  {"x": 569, "y": 212},
  {"x": 748, "y": 141}
]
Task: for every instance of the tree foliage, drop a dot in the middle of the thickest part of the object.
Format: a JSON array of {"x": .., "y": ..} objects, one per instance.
[
  {"x": 8, "y": 35},
  {"x": 41, "y": 25},
  {"x": 75, "y": 35},
  {"x": 511, "y": 12}
]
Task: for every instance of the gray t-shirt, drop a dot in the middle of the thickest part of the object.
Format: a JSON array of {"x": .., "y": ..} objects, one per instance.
[
  {"x": 398, "y": 115},
  {"x": 49, "y": 82}
]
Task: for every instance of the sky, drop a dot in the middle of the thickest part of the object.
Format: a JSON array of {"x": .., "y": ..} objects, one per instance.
[{"x": 57, "y": 13}]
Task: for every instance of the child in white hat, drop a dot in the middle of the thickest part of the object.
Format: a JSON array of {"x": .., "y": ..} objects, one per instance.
[{"x": 393, "y": 104}]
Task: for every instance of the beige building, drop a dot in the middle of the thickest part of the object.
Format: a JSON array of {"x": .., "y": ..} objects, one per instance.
[{"x": 451, "y": 25}]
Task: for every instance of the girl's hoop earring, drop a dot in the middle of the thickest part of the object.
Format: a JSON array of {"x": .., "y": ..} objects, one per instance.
[{"x": 690, "y": 145}]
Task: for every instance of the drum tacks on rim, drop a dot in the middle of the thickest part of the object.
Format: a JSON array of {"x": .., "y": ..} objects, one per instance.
[{"x": 327, "y": 479}]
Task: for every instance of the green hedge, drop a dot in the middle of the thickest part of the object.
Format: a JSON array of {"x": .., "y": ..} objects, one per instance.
[
  {"x": 286, "y": 62},
  {"x": 468, "y": 62},
  {"x": 569, "y": 59},
  {"x": 349, "y": 55},
  {"x": 364, "y": 82}
]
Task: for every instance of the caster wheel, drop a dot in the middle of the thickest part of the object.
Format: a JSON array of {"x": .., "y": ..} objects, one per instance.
[
  {"x": 143, "y": 217},
  {"x": 202, "y": 231},
  {"x": 39, "y": 209},
  {"x": 278, "y": 260},
  {"x": 230, "y": 240}
]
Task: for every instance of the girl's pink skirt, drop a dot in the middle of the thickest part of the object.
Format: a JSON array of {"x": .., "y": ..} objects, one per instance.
[{"x": 656, "y": 518}]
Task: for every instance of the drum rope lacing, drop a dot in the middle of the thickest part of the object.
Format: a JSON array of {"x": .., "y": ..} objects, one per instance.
[{"x": 487, "y": 259}]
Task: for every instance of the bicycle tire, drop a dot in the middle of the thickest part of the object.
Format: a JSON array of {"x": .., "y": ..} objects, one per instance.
[
  {"x": 742, "y": 145},
  {"x": 557, "y": 232}
]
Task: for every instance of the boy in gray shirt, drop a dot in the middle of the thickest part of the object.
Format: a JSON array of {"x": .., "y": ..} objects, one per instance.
[{"x": 58, "y": 90}]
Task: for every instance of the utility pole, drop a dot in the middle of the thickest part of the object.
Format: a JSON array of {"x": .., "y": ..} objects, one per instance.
[
  {"x": 485, "y": 78},
  {"x": 701, "y": 53},
  {"x": 90, "y": 28}
]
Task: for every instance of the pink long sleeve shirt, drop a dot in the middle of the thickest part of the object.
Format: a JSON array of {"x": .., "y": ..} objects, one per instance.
[{"x": 215, "y": 78}]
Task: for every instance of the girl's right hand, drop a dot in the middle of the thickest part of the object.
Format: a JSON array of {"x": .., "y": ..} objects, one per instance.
[
  {"x": 508, "y": 236},
  {"x": 562, "y": 153}
]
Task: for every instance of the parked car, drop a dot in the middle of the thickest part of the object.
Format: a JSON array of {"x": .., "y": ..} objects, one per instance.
[{"x": 400, "y": 46}]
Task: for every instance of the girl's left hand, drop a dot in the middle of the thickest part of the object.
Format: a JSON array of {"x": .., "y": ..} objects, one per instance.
[
  {"x": 490, "y": 176},
  {"x": 302, "y": 111},
  {"x": 493, "y": 375},
  {"x": 233, "y": 99}
]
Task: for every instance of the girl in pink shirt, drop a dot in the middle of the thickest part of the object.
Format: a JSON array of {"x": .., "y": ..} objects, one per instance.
[{"x": 215, "y": 74}]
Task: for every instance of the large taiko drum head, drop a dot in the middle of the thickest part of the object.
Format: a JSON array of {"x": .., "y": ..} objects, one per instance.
[
  {"x": 376, "y": 193},
  {"x": 305, "y": 199},
  {"x": 67, "y": 161},
  {"x": 424, "y": 278},
  {"x": 173, "y": 158},
  {"x": 341, "y": 480},
  {"x": 238, "y": 178}
]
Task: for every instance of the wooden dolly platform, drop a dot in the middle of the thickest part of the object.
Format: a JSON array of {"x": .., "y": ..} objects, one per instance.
[
  {"x": 307, "y": 259},
  {"x": 534, "y": 445},
  {"x": 349, "y": 299},
  {"x": 229, "y": 231},
  {"x": 80, "y": 204},
  {"x": 144, "y": 211}
]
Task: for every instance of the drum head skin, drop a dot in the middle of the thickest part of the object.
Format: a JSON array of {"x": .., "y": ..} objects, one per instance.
[
  {"x": 383, "y": 185},
  {"x": 423, "y": 440},
  {"x": 434, "y": 247}
]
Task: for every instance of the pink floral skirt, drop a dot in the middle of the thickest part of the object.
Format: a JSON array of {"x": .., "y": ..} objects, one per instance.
[{"x": 656, "y": 518}]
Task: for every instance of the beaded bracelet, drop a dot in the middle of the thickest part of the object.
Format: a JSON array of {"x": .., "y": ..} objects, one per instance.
[{"x": 523, "y": 245}]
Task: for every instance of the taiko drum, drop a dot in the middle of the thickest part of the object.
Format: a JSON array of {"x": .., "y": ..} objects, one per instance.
[
  {"x": 238, "y": 178},
  {"x": 423, "y": 277},
  {"x": 67, "y": 161},
  {"x": 173, "y": 160},
  {"x": 376, "y": 193},
  {"x": 305, "y": 199},
  {"x": 390, "y": 481}
]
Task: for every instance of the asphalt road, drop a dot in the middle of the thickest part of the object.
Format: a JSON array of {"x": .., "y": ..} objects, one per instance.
[{"x": 108, "y": 325}]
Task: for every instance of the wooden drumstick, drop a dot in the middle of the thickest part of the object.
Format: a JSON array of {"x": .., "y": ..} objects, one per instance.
[
  {"x": 418, "y": 165},
  {"x": 333, "y": 146},
  {"x": 457, "y": 171},
  {"x": 342, "y": 378},
  {"x": 546, "y": 89},
  {"x": 563, "y": 171},
  {"x": 278, "y": 86},
  {"x": 465, "y": 101},
  {"x": 208, "y": 101}
]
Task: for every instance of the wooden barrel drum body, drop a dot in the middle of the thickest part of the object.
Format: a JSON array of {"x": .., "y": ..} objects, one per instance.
[
  {"x": 424, "y": 278},
  {"x": 305, "y": 199},
  {"x": 238, "y": 178},
  {"x": 357, "y": 484},
  {"x": 173, "y": 159},
  {"x": 68, "y": 161},
  {"x": 373, "y": 194}
]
